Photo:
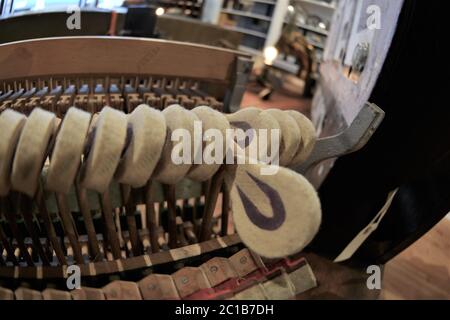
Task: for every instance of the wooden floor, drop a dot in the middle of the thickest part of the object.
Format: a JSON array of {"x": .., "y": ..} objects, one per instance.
[
  {"x": 420, "y": 272},
  {"x": 423, "y": 270},
  {"x": 278, "y": 100}
]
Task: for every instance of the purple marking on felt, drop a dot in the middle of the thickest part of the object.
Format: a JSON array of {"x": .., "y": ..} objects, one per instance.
[
  {"x": 276, "y": 203},
  {"x": 245, "y": 127}
]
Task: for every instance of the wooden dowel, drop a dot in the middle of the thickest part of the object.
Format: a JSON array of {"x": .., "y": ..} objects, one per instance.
[
  {"x": 225, "y": 209},
  {"x": 169, "y": 191},
  {"x": 190, "y": 234},
  {"x": 83, "y": 204},
  {"x": 210, "y": 204},
  {"x": 184, "y": 209},
  {"x": 195, "y": 214},
  {"x": 109, "y": 224},
  {"x": 181, "y": 235},
  {"x": 69, "y": 227},
  {"x": 26, "y": 210},
  {"x": 152, "y": 225},
  {"x": 10, "y": 216},
  {"x": 9, "y": 250},
  {"x": 50, "y": 229},
  {"x": 130, "y": 209}
]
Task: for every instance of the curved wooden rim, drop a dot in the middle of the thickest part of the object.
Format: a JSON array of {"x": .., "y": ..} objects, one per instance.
[{"x": 100, "y": 55}]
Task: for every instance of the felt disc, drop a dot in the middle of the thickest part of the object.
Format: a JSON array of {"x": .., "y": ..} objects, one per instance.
[
  {"x": 308, "y": 141},
  {"x": 32, "y": 150},
  {"x": 253, "y": 118},
  {"x": 66, "y": 156},
  {"x": 104, "y": 154},
  {"x": 290, "y": 135},
  {"x": 168, "y": 171},
  {"x": 275, "y": 215},
  {"x": 148, "y": 127},
  {"x": 211, "y": 119},
  {"x": 11, "y": 124}
]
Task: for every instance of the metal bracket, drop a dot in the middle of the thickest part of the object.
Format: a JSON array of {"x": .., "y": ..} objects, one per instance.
[{"x": 350, "y": 140}]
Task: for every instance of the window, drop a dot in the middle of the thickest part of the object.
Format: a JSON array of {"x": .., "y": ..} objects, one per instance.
[
  {"x": 33, "y": 5},
  {"x": 17, "y": 6},
  {"x": 109, "y": 4}
]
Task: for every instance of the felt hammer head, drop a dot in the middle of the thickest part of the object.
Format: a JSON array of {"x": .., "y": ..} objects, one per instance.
[
  {"x": 148, "y": 127},
  {"x": 104, "y": 155},
  {"x": 275, "y": 215},
  {"x": 31, "y": 151},
  {"x": 66, "y": 155},
  {"x": 180, "y": 120},
  {"x": 308, "y": 138},
  {"x": 290, "y": 135},
  {"x": 256, "y": 145},
  {"x": 214, "y": 126},
  {"x": 11, "y": 124}
]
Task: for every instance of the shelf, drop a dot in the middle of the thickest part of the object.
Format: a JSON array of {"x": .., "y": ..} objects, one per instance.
[
  {"x": 252, "y": 51},
  {"x": 272, "y": 2},
  {"x": 319, "y": 4},
  {"x": 246, "y": 14},
  {"x": 246, "y": 31},
  {"x": 312, "y": 29},
  {"x": 278, "y": 63},
  {"x": 316, "y": 44}
]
